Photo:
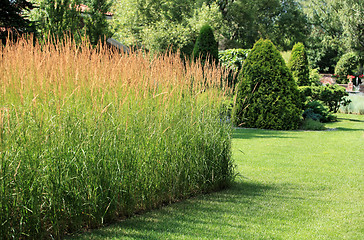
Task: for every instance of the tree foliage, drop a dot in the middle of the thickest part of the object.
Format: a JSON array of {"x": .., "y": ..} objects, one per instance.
[
  {"x": 97, "y": 26},
  {"x": 337, "y": 28},
  {"x": 353, "y": 24},
  {"x": 282, "y": 21},
  {"x": 347, "y": 65},
  {"x": 326, "y": 38},
  {"x": 238, "y": 23},
  {"x": 267, "y": 93},
  {"x": 298, "y": 64},
  {"x": 12, "y": 22},
  {"x": 55, "y": 18},
  {"x": 163, "y": 25}
]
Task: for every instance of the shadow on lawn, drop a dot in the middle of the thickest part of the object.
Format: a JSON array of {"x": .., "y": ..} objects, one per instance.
[
  {"x": 199, "y": 216},
  {"x": 350, "y": 120},
  {"x": 349, "y": 129},
  {"x": 248, "y": 133},
  {"x": 347, "y": 124}
]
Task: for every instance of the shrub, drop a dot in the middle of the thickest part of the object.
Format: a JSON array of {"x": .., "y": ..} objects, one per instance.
[
  {"x": 318, "y": 112},
  {"x": 233, "y": 58},
  {"x": 206, "y": 46},
  {"x": 298, "y": 65},
  {"x": 267, "y": 94},
  {"x": 332, "y": 96},
  {"x": 315, "y": 77},
  {"x": 310, "y": 124},
  {"x": 347, "y": 65}
]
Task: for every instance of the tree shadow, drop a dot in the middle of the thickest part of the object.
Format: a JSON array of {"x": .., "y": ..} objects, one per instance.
[
  {"x": 349, "y": 129},
  {"x": 350, "y": 120},
  {"x": 191, "y": 216},
  {"x": 249, "y": 133}
]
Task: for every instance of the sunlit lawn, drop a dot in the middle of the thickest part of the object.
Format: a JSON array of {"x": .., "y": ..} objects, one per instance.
[{"x": 291, "y": 185}]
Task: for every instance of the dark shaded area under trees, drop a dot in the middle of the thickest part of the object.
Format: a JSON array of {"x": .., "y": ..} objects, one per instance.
[{"x": 12, "y": 21}]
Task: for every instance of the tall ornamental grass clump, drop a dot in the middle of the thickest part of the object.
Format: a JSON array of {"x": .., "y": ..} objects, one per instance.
[{"x": 87, "y": 137}]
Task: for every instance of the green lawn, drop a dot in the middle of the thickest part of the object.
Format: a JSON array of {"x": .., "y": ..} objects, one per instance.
[{"x": 291, "y": 185}]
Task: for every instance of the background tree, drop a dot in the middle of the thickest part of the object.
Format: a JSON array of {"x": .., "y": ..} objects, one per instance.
[
  {"x": 337, "y": 28},
  {"x": 282, "y": 21},
  {"x": 97, "y": 26},
  {"x": 12, "y": 21},
  {"x": 55, "y": 18},
  {"x": 161, "y": 25},
  {"x": 267, "y": 93},
  {"x": 298, "y": 64},
  {"x": 326, "y": 42},
  {"x": 353, "y": 24},
  {"x": 291, "y": 25},
  {"x": 206, "y": 47}
]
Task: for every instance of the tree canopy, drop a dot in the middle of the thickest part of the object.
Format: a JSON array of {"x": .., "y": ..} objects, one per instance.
[
  {"x": 337, "y": 28},
  {"x": 327, "y": 28},
  {"x": 55, "y": 18},
  {"x": 160, "y": 24},
  {"x": 12, "y": 21}
]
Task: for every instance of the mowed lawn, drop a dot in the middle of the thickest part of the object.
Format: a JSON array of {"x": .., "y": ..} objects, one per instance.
[{"x": 290, "y": 185}]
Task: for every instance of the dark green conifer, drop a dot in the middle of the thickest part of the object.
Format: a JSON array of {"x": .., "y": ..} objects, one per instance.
[
  {"x": 298, "y": 64},
  {"x": 267, "y": 96},
  {"x": 206, "y": 46}
]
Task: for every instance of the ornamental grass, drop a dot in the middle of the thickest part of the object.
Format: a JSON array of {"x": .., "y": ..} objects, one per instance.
[{"x": 89, "y": 136}]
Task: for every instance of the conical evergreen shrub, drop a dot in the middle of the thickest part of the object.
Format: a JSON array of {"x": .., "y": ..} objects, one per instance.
[
  {"x": 206, "y": 46},
  {"x": 267, "y": 95},
  {"x": 298, "y": 64}
]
